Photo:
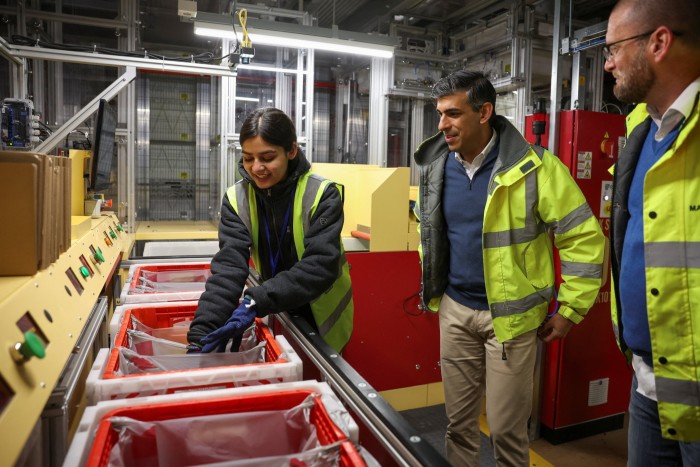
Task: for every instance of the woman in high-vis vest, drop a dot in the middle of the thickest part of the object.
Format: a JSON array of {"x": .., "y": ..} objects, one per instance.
[{"x": 289, "y": 220}]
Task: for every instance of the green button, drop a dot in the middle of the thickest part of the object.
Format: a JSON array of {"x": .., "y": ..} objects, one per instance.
[
  {"x": 112, "y": 234},
  {"x": 85, "y": 272},
  {"x": 120, "y": 228},
  {"x": 99, "y": 256},
  {"x": 32, "y": 346}
]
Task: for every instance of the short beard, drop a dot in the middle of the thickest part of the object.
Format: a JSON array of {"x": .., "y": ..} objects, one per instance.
[{"x": 637, "y": 81}]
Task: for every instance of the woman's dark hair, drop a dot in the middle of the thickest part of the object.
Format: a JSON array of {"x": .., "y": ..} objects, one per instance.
[
  {"x": 272, "y": 125},
  {"x": 478, "y": 88}
]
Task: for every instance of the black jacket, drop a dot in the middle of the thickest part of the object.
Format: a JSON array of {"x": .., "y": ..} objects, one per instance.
[{"x": 295, "y": 282}]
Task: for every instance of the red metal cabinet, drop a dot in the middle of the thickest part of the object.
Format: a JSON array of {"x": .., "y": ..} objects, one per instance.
[
  {"x": 586, "y": 380},
  {"x": 394, "y": 345}
]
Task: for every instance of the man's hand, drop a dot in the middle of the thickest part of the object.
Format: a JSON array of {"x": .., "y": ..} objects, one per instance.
[
  {"x": 241, "y": 319},
  {"x": 554, "y": 328}
]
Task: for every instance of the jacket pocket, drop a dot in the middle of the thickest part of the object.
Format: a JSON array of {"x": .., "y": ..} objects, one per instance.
[{"x": 537, "y": 265}]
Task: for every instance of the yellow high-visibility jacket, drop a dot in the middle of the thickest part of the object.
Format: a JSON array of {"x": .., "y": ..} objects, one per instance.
[
  {"x": 531, "y": 195},
  {"x": 672, "y": 257}
]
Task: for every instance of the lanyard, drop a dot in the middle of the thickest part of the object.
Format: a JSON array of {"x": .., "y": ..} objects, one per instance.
[{"x": 275, "y": 260}]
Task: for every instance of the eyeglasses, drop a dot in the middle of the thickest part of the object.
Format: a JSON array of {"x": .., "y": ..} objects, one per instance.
[{"x": 609, "y": 52}]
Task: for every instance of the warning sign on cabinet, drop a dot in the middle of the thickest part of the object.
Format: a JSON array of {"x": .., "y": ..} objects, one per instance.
[{"x": 584, "y": 165}]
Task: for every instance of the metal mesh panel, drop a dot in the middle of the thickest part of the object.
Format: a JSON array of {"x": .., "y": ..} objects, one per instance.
[
  {"x": 322, "y": 126},
  {"x": 174, "y": 179}
]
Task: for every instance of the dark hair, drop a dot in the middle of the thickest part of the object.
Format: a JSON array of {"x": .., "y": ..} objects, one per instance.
[
  {"x": 272, "y": 125},
  {"x": 678, "y": 15},
  {"x": 478, "y": 88}
]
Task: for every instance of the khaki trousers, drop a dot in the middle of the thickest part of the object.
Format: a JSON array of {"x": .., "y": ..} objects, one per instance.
[{"x": 471, "y": 361}]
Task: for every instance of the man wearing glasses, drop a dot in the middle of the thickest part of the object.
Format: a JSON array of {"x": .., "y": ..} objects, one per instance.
[{"x": 653, "y": 52}]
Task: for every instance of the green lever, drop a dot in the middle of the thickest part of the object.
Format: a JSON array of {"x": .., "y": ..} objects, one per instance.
[
  {"x": 120, "y": 228},
  {"x": 99, "y": 256},
  {"x": 112, "y": 234},
  {"x": 85, "y": 272},
  {"x": 32, "y": 346}
]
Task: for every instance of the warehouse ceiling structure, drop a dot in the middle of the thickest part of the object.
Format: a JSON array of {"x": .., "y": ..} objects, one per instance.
[
  {"x": 160, "y": 24},
  {"x": 161, "y": 28}
]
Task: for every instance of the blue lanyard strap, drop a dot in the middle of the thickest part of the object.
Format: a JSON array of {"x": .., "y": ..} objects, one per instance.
[{"x": 274, "y": 261}]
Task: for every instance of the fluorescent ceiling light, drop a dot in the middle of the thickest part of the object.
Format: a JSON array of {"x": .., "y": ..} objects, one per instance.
[
  {"x": 281, "y": 34},
  {"x": 251, "y": 99}
]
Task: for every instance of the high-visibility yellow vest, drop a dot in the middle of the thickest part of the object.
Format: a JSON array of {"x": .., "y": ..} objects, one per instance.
[{"x": 333, "y": 310}]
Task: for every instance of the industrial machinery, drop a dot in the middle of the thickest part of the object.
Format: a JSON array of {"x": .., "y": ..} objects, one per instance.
[
  {"x": 18, "y": 124},
  {"x": 586, "y": 381},
  {"x": 45, "y": 316}
]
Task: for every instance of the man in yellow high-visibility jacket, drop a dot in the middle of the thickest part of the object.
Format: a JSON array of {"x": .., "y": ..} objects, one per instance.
[
  {"x": 653, "y": 52},
  {"x": 488, "y": 203}
]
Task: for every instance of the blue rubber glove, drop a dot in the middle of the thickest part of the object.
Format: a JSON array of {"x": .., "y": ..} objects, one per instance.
[{"x": 241, "y": 319}]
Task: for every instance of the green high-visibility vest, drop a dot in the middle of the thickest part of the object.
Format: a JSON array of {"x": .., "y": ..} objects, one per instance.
[{"x": 333, "y": 310}]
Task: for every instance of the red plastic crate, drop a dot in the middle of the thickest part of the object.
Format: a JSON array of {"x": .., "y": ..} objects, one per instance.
[
  {"x": 140, "y": 269},
  {"x": 281, "y": 362},
  {"x": 162, "y": 317},
  {"x": 159, "y": 317},
  {"x": 327, "y": 432},
  {"x": 131, "y": 293}
]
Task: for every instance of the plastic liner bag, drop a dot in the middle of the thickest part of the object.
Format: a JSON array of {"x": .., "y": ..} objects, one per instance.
[
  {"x": 132, "y": 363},
  {"x": 145, "y": 344},
  {"x": 323, "y": 456},
  {"x": 171, "y": 281},
  {"x": 222, "y": 439},
  {"x": 166, "y": 341},
  {"x": 176, "y": 333}
]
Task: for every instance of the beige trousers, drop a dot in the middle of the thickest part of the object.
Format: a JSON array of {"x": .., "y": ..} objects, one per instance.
[{"x": 471, "y": 361}]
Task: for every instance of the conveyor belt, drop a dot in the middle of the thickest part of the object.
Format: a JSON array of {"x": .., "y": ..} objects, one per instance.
[{"x": 381, "y": 427}]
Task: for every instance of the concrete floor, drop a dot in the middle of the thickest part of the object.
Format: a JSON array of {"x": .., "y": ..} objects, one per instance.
[{"x": 602, "y": 450}]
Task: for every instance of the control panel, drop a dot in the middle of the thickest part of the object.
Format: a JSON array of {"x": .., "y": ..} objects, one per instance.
[{"x": 42, "y": 318}]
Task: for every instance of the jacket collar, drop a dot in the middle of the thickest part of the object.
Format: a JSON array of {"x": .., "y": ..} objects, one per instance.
[{"x": 513, "y": 145}]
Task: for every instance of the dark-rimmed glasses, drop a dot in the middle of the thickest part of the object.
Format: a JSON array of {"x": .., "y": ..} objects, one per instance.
[{"x": 609, "y": 53}]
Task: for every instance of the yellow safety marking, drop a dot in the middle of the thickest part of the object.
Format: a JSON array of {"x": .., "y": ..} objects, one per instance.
[{"x": 535, "y": 459}]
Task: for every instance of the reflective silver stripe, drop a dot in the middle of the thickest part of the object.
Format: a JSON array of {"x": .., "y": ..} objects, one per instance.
[
  {"x": 514, "y": 307},
  {"x": 672, "y": 254},
  {"x": 243, "y": 209},
  {"x": 678, "y": 391},
  {"x": 308, "y": 200},
  {"x": 325, "y": 327},
  {"x": 575, "y": 218},
  {"x": 616, "y": 331},
  {"x": 512, "y": 237},
  {"x": 313, "y": 183},
  {"x": 587, "y": 270},
  {"x": 532, "y": 229}
]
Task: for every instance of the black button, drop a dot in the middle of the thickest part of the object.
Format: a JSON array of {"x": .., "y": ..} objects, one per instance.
[
  {"x": 663, "y": 360},
  {"x": 671, "y": 431},
  {"x": 655, "y": 292},
  {"x": 652, "y": 214}
]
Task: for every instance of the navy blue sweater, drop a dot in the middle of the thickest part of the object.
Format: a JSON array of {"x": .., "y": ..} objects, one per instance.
[
  {"x": 635, "y": 323},
  {"x": 463, "y": 202}
]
